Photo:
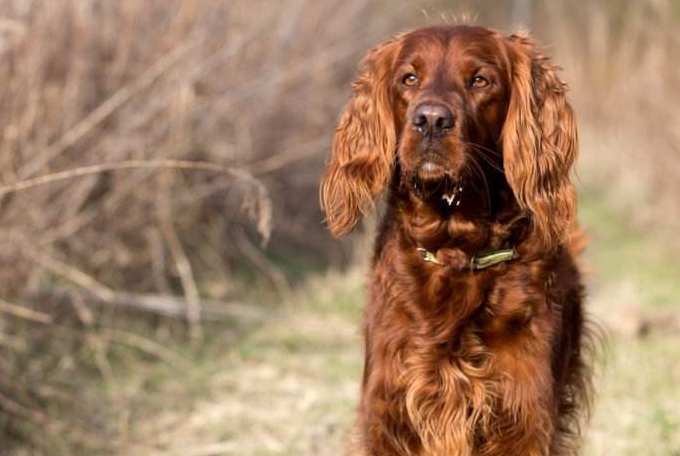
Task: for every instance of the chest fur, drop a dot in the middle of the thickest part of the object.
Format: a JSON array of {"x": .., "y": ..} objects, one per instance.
[{"x": 474, "y": 362}]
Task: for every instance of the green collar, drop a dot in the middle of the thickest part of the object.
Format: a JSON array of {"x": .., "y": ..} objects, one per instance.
[{"x": 483, "y": 260}]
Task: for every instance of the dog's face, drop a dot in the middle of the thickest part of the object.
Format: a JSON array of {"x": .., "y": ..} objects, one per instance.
[
  {"x": 446, "y": 104},
  {"x": 450, "y": 95}
]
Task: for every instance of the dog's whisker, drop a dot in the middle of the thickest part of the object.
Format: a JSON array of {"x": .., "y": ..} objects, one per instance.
[
  {"x": 482, "y": 148},
  {"x": 484, "y": 181},
  {"x": 483, "y": 156},
  {"x": 491, "y": 163}
]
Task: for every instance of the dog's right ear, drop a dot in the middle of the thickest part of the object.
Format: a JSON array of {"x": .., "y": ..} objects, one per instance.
[{"x": 364, "y": 144}]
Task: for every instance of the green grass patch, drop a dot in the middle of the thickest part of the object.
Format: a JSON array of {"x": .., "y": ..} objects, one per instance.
[{"x": 621, "y": 252}]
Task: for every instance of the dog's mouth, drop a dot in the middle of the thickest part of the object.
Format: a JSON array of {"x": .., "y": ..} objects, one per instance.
[
  {"x": 431, "y": 170},
  {"x": 433, "y": 180},
  {"x": 434, "y": 176},
  {"x": 433, "y": 165}
]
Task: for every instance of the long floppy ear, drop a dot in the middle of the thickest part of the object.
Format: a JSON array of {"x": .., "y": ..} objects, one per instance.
[
  {"x": 540, "y": 142},
  {"x": 364, "y": 144}
]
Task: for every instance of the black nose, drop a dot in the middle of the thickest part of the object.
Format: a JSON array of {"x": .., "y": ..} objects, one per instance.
[{"x": 432, "y": 119}]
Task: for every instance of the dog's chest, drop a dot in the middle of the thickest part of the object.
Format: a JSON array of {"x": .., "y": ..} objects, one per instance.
[{"x": 453, "y": 368}]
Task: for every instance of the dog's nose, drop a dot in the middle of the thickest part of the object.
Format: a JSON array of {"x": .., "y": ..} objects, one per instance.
[{"x": 432, "y": 119}]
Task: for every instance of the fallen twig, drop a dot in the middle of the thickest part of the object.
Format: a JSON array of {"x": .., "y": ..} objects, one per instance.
[
  {"x": 161, "y": 304},
  {"x": 24, "y": 313},
  {"x": 258, "y": 206}
]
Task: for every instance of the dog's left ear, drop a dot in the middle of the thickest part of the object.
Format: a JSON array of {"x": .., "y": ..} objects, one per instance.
[
  {"x": 364, "y": 144},
  {"x": 540, "y": 142}
]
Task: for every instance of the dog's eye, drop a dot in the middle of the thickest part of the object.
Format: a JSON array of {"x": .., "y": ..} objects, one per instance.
[
  {"x": 479, "y": 82},
  {"x": 410, "y": 80}
]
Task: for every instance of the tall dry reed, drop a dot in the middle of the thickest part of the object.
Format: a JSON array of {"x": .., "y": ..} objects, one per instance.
[{"x": 149, "y": 148}]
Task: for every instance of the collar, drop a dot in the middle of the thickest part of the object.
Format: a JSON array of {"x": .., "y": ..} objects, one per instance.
[{"x": 482, "y": 260}]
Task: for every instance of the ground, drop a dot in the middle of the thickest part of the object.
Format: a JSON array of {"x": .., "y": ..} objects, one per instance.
[{"x": 288, "y": 384}]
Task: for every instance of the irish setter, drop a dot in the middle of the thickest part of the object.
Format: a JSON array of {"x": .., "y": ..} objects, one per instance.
[{"x": 475, "y": 331}]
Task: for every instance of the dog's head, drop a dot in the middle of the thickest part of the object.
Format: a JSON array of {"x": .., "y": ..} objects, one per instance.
[{"x": 446, "y": 104}]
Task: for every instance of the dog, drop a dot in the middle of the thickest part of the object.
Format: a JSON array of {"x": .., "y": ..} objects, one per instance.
[{"x": 475, "y": 334}]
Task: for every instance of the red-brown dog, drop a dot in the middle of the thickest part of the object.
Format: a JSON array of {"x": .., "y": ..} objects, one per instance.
[{"x": 474, "y": 325}]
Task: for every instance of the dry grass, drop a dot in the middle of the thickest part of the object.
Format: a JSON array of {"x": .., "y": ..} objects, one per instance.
[
  {"x": 288, "y": 387},
  {"x": 623, "y": 79},
  {"x": 149, "y": 149}
]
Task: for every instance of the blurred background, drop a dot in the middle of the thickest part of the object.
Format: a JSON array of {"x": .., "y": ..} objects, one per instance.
[{"x": 167, "y": 286}]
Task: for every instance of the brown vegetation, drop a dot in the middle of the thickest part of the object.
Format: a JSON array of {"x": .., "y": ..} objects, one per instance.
[{"x": 148, "y": 149}]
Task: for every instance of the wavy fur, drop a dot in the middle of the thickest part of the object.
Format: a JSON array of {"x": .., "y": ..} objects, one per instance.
[{"x": 459, "y": 362}]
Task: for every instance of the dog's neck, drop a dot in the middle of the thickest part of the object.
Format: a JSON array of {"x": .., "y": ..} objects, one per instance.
[{"x": 482, "y": 218}]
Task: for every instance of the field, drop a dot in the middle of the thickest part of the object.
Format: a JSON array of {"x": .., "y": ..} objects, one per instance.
[
  {"x": 285, "y": 380},
  {"x": 166, "y": 284}
]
